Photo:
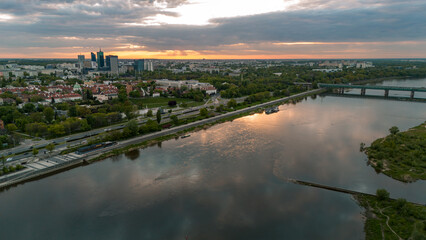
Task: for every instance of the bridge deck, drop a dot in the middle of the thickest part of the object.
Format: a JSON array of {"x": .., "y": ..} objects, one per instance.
[{"x": 415, "y": 89}]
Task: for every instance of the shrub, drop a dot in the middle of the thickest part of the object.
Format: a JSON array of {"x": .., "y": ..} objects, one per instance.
[{"x": 382, "y": 194}]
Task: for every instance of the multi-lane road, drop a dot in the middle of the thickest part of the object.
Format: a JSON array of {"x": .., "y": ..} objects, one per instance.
[{"x": 17, "y": 154}]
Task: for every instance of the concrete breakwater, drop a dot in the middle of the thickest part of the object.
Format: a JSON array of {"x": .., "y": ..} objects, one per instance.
[{"x": 336, "y": 189}]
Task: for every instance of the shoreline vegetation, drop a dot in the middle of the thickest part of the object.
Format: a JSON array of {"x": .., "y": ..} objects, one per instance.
[
  {"x": 400, "y": 155},
  {"x": 387, "y": 218}
]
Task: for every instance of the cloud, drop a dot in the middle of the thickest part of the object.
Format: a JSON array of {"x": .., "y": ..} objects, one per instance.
[{"x": 60, "y": 25}]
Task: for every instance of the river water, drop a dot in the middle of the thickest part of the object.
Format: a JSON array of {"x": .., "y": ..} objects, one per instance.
[{"x": 226, "y": 182}]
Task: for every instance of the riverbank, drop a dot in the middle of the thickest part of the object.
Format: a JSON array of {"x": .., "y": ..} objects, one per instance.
[
  {"x": 392, "y": 219},
  {"x": 400, "y": 155},
  {"x": 150, "y": 139}
]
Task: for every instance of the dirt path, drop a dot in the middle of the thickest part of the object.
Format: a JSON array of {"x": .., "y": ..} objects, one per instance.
[{"x": 387, "y": 221}]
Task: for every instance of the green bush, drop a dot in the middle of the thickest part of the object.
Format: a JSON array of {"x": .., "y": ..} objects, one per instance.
[{"x": 382, "y": 194}]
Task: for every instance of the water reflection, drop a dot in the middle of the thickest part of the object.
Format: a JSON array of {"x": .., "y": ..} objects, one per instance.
[
  {"x": 226, "y": 182},
  {"x": 133, "y": 155}
]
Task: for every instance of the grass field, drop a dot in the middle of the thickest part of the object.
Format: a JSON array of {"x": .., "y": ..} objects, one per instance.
[{"x": 163, "y": 102}]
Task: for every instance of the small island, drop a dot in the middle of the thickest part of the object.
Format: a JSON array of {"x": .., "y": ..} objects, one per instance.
[{"x": 400, "y": 155}]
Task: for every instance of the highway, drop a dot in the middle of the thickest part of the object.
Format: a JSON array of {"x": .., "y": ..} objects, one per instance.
[{"x": 25, "y": 151}]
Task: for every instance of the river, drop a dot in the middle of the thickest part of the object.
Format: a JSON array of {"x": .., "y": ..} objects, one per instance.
[{"x": 226, "y": 182}]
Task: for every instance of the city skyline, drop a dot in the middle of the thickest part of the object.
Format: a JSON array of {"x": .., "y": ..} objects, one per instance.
[{"x": 189, "y": 29}]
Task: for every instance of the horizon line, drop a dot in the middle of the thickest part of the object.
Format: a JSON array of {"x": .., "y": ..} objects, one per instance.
[{"x": 227, "y": 58}]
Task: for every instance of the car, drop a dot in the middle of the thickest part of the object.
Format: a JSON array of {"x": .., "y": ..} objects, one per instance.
[
  {"x": 9, "y": 159},
  {"x": 9, "y": 153},
  {"x": 31, "y": 147},
  {"x": 26, "y": 153}
]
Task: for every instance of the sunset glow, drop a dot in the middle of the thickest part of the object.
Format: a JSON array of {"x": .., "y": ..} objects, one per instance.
[{"x": 197, "y": 29}]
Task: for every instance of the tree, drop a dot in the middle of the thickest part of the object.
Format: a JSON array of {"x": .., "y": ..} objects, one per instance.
[
  {"x": 88, "y": 95},
  {"x": 83, "y": 111},
  {"x": 122, "y": 95},
  {"x": 132, "y": 125},
  {"x": 72, "y": 111},
  {"x": 232, "y": 103},
  {"x": 56, "y": 130},
  {"x": 3, "y": 160},
  {"x": 158, "y": 115},
  {"x": 401, "y": 206},
  {"x": 128, "y": 109},
  {"x": 204, "y": 112},
  {"x": 175, "y": 119},
  {"x": 11, "y": 127},
  {"x": 149, "y": 113},
  {"x": 50, "y": 147},
  {"x": 35, "y": 152},
  {"x": 37, "y": 117},
  {"x": 220, "y": 108},
  {"x": 382, "y": 194},
  {"x": 29, "y": 108},
  {"x": 152, "y": 126},
  {"x": 394, "y": 130},
  {"x": 48, "y": 114},
  {"x": 134, "y": 94}
]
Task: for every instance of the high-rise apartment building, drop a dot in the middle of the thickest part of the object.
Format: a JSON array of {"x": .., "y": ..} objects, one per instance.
[{"x": 149, "y": 66}]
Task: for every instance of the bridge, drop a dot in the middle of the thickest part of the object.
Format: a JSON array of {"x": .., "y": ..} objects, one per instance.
[{"x": 341, "y": 88}]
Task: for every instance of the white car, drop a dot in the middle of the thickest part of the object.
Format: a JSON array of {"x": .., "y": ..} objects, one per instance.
[{"x": 9, "y": 159}]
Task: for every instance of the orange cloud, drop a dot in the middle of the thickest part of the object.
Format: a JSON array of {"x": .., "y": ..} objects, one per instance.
[{"x": 263, "y": 50}]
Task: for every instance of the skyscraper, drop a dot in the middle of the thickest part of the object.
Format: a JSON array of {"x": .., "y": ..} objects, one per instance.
[
  {"x": 100, "y": 57},
  {"x": 108, "y": 62},
  {"x": 139, "y": 65},
  {"x": 93, "y": 56},
  {"x": 112, "y": 63},
  {"x": 80, "y": 61}
]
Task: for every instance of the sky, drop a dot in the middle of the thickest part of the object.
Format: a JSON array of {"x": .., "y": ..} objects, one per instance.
[{"x": 213, "y": 29}]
